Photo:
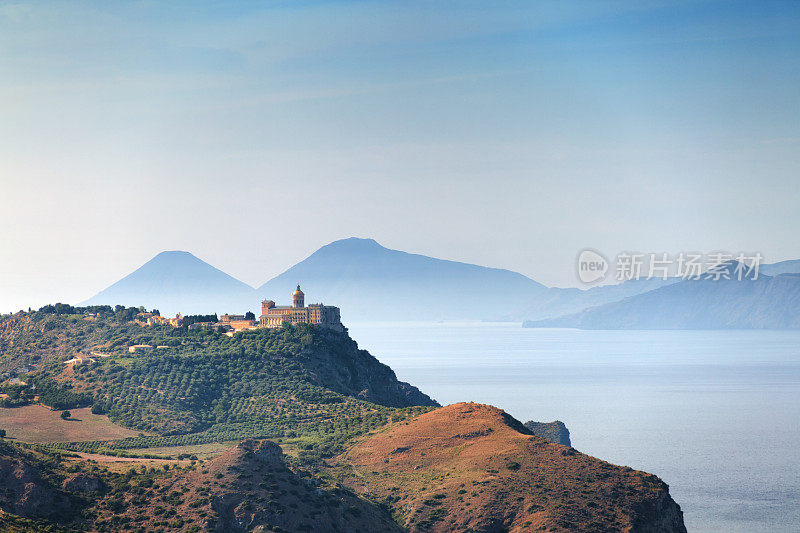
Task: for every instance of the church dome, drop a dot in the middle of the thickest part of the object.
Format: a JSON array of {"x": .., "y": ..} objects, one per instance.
[{"x": 298, "y": 298}]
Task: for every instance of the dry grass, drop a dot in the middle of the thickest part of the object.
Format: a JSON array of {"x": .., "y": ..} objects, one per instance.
[
  {"x": 202, "y": 451},
  {"x": 124, "y": 464},
  {"x": 467, "y": 467},
  {"x": 38, "y": 424},
  {"x": 249, "y": 486}
]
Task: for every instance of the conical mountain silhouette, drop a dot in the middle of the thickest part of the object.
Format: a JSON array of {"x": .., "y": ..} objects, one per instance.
[
  {"x": 177, "y": 281},
  {"x": 371, "y": 282}
]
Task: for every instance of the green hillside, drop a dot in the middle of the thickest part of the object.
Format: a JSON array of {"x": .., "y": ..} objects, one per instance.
[
  {"x": 304, "y": 383},
  {"x": 328, "y": 440}
]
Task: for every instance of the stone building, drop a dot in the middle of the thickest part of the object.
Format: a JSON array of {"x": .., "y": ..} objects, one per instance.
[
  {"x": 273, "y": 316},
  {"x": 237, "y": 322},
  {"x": 154, "y": 320},
  {"x": 211, "y": 326},
  {"x": 139, "y": 348}
]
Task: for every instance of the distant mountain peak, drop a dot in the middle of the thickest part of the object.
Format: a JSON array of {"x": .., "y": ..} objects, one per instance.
[
  {"x": 175, "y": 253},
  {"x": 368, "y": 281},
  {"x": 355, "y": 243},
  {"x": 178, "y": 281}
]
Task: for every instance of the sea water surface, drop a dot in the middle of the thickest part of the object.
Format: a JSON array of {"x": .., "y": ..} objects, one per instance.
[{"x": 715, "y": 414}]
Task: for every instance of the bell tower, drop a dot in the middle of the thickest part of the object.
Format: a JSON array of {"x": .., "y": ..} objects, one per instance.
[{"x": 298, "y": 298}]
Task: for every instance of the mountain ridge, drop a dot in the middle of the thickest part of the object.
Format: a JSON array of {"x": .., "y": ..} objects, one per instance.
[
  {"x": 366, "y": 279},
  {"x": 368, "y": 282},
  {"x": 768, "y": 302}
]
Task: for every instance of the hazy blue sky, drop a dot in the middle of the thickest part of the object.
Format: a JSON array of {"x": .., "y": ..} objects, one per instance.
[{"x": 510, "y": 134}]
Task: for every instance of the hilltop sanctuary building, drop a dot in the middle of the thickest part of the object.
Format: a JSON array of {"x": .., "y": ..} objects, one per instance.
[{"x": 273, "y": 316}]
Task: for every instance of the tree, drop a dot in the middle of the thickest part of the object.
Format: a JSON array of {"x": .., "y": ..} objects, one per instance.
[
  {"x": 2, "y": 433},
  {"x": 65, "y": 414},
  {"x": 249, "y": 315}
]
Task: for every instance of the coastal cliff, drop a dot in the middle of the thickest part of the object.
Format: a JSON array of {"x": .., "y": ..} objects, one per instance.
[
  {"x": 330, "y": 440},
  {"x": 472, "y": 467},
  {"x": 333, "y": 360},
  {"x": 555, "y": 432}
]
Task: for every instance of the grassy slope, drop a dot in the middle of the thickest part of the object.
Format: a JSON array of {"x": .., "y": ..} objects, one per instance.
[
  {"x": 472, "y": 467},
  {"x": 38, "y": 424}
]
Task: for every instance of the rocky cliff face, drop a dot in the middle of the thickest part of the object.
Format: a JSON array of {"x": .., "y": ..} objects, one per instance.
[
  {"x": 335, "y": 362},
  {"x": 555, "y": 432},
  {"x": 659, "y": 515},
  {"x": 24, "y": 491},
  {"x": 83, "y": 484}
]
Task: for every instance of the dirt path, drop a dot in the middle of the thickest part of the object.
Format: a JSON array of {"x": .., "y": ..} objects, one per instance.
[{"x": 111, "y": 459}]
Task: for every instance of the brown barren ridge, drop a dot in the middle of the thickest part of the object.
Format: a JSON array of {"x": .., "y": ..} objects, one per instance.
[{"x": 472, "y": 467}]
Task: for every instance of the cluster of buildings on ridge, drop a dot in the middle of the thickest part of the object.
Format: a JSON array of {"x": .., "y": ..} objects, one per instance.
[
  {"x": 149, "y": 319},
  {"x": 272, "y": 316}
]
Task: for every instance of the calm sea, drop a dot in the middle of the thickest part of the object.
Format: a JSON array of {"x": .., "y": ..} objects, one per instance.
[{"x": 715, "y": 414}]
